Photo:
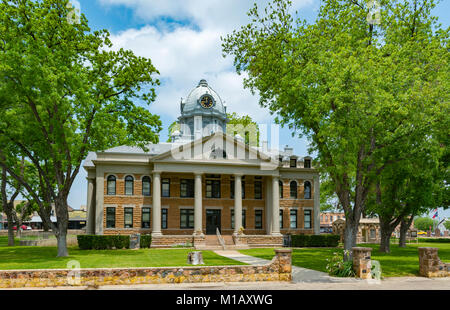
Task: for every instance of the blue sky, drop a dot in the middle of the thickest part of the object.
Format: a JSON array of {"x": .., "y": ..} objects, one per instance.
[{"x": 182, "y": 38}]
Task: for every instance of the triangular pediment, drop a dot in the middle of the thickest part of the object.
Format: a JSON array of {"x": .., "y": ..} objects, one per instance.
[{"x": 218, "y": 147}]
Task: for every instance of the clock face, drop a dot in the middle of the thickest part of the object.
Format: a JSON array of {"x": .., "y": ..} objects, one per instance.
[{"x": 206, "y": 102}]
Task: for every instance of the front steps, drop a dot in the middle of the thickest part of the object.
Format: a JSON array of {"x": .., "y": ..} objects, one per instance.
[{"x": 212, "y": 243}]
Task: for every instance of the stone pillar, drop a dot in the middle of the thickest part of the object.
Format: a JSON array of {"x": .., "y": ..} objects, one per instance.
[
  {"x": 316, "y": 222},
  {"x": 237, "y": 203},
  {"x": 430, "y": 265},
  {"x": 284, "y": 262},
  {"x": 362, "y": 264},
  {"x": 156, "y": 225},
  {"x": 198, "y": 208},
  {"x": 275, "y": 207},
  {"x": 99, "y": 194},
  {"x": 90, "y": 207}
]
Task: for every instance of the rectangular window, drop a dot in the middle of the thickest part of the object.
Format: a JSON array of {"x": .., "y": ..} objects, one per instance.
[
  {"x": 110, "y": 217},
  {"x": 307, "y": 163},
  {"x": 293, "y": 218},
  {"x": 293, "y": 162},
  {"x": 145, "y": 217},
  {"x": 281, "y": 218},
  {"x": 258, "y": 190},
  {"x": 373, "y": 234},
  {"x": 164, "y": 213},
  {"x": 258, "y": 219},
  {"x": 307, "y": 219},
  {"x": 187, "y": 188},
  {"x": 186, "y": 218},
  {"x": 165, "y": 188},
  {"x": 232, "y": 219},
  {"x": 212, "y": 188},
  {"x": 128, "y": 218}
]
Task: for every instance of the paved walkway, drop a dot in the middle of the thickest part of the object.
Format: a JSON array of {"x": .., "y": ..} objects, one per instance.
[{"x": 299, "y": 274}]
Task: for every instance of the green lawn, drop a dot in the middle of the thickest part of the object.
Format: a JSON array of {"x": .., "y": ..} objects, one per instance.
[
  {"x": 22, "y": 257},
  {"x": 400, "y": 262}
]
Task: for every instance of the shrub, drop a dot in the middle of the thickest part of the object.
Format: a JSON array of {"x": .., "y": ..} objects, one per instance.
[
  {"x": 101, "y": 242},
  {"x": 146, "y": 241},
  {"x": 338, "y": 268},
  {"x": 435, "y": 240},
  {"x": 315, "y": 240}
]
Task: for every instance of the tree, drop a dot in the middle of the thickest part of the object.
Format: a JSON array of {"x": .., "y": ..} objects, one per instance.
[
  {"x": 447, "y": 224},
  {"x": 424, "y": 223},
  {"x": 350, "y": 86},
  {"x": 64, "y": 92},
  {"x": 244, "y": 126}
]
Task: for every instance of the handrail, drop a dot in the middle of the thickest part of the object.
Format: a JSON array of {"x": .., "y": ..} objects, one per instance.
[{"x": 219, "y": 236}]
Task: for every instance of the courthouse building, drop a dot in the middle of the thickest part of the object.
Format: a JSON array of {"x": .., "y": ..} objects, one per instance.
[{"x": 205, "y": 182}]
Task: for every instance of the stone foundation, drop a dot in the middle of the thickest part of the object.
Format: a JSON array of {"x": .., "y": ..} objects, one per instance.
[
  {"x": 279, "y": 269},
  {"x": 362, "y": 264},
  {"x": 255, "y": 241},
  {"x": 430, "y": 265},
  {"x": 167, "y": 241}
]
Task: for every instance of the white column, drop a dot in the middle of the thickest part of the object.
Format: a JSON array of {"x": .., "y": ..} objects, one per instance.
[
  {"x": 275, "y": 206},
  {"x": 156, "y": 225},
  {"x": 99, "y": 194},
  {"x": 198, "y": 206},
  {"x": 268, "y": 205},
  {"x": 237, "y": 203},
  {"x": 90, "y": 207},
  {"x": 316, "y": 205}
]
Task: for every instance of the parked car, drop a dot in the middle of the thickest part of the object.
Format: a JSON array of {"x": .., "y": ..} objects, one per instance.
[
  {"x": 422, "y": 233},
  {"x": 23, "y": 227}
]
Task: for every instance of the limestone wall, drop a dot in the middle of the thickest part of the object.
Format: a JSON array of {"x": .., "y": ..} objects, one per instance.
[{"x": 279, "y": 269}]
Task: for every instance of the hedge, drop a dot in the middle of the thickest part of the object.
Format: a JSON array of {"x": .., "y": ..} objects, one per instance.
[
  {"x": 146, "y": 241},
  {"x": 299, "y": 241},
  {"x": 435, "y": 240},
  {"x": 101, "y": 242}
]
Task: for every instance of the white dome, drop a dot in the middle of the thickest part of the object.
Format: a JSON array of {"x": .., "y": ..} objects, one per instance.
[{"x": 192, "y": 102}]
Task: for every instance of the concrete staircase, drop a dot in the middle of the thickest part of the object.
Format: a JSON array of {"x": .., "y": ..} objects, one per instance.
[{"x": 212, "y": 243}]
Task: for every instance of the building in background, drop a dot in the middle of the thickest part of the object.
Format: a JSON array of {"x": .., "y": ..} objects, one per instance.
[{"x": 327, "y": 219}]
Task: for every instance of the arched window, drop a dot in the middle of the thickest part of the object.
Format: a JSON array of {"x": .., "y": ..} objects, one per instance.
[
  {"x": 280, "y": 184},
  {"x": 307, "y": 190},
  {"x": 293, "y": 186},
  {"x": 111, "y": 180},
  {"x": 129, "y": 185},
  {"x": 146, "y": 186}
]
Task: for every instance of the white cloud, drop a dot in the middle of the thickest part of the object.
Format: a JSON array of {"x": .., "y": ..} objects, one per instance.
[{"x": 184, "y": 54}]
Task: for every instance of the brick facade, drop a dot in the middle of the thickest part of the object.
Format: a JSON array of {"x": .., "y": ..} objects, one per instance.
[{"x": 174, "y": 203}]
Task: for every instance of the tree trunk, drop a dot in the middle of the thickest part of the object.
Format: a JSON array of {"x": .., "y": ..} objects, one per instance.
[
  {"x": 10, "y": 230},
  {"x": 404, "y": 226},
  {"x": 385, "y": 245},
  {"x": 351, "y": 229},
  {"x": 62, "y": 216},
  {"x": 62, "y": 244}
]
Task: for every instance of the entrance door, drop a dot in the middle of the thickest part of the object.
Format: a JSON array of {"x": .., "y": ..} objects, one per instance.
[{"x": 212, "y": 221}]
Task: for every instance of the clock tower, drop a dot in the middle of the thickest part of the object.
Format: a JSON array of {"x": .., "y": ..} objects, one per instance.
[{"x": 202, "y": 113}]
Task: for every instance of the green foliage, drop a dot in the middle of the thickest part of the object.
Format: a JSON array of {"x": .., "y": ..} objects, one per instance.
[
  {"x": 361, "y": 93},
  {"x": 315, "y": 240},
  {"x": 103, "y": 242},
  {"x": 243, "y": 126},
  {"x": 146, "y": 241},
  {"x": 338, "y": 268},
  {"x": 424, "y": 223},
  {"x": 447, "y": 224},
  {"x": 66, "y": 91}
]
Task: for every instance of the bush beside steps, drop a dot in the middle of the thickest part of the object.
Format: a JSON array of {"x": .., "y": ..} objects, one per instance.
[{"x": 103, "y": 242}]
